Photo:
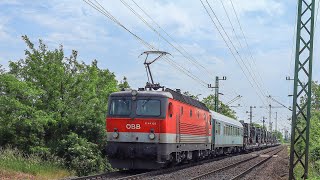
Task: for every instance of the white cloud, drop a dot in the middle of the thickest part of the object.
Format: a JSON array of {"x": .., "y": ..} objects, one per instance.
[{"x": 77, "y": 26}]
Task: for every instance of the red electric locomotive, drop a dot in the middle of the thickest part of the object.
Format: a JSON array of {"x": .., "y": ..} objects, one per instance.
[{"x": 150, "y": 129}]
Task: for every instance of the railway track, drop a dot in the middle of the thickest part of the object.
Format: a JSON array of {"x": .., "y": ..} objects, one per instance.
[
  {"x": 231, "y": 172},
  {"x": 133, "y": 175}
]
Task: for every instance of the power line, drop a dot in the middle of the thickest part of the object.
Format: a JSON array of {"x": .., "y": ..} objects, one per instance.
[
  {"x": 106, "y": 13},
  {"x": 192, "y": 60},
  {"x": 234, "y": 47},
  {"x": 239, "y": 41},
  {"x": 246, "y": 42},
  {"x": 227, "y": 44}
]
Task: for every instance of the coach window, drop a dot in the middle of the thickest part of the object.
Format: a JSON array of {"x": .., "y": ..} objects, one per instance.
[
  {"x": 228, "y": 130},
  {"x": 227, "y": 133},
  {"x": 216, "y": 128},
  {"x": 232, "y": 131}
]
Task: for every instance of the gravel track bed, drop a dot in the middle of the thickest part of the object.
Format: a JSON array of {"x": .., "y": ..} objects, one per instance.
[
  {"x": 232, "y": 172},
  {"x": 109, "y": 175},
  {"x": 194, "y": 171},
  {"x": 276, "y": 168},
  {"x": 121, "y": 174}
]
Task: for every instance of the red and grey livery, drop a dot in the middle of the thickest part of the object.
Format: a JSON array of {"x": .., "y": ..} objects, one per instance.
[{"x": 151, "y": 129}]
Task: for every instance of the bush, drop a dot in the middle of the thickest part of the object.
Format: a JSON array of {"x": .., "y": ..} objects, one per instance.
[
  {"x": 50, "y": 103},
  {"x": 82, "y": 156}
]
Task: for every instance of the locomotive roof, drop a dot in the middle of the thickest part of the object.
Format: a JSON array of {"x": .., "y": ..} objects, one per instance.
[
  {"x": 169, "y": 93},
  {"x": 186, "y": 99},
  {"x": 226, "y": 119},
  {"x": 143, "y": 93}
]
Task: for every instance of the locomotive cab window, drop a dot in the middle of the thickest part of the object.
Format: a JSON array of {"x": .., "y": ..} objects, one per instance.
[
  {"x": 190, "y": 113},
  {"x": 120, "y": 107},
  {"x": 148, "y": 107}
]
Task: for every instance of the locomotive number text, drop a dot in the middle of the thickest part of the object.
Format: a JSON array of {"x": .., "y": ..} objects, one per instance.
[{"x": 133, "y": 126}]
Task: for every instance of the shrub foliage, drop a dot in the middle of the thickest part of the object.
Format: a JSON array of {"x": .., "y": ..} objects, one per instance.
[{"x": 52, "y": 104}]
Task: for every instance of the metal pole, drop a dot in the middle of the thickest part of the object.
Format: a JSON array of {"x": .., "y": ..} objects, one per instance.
[
  {"x": 301, "y": 113},
  {"x": 250, "y": 115},
  {"x": 216, "y": 96},
  {"x": 263, "y": 121},
  {"x": 276, "y": 126},
  {"x": 270, "y": 122}
]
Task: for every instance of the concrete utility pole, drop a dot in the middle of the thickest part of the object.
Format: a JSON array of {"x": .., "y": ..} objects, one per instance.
[
  {"x": 276, "y": 125},
  {"x": 263, "y": 121},
  {"x": 270, "y": 123},
  {"x": 216, "y": 94},
  {"x": 250, "y": 114}
]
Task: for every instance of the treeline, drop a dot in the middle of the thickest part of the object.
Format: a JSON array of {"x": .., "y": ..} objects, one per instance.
[
  {"x": 315, "y": 130},
  {"x": 314, "y": 143},
  {"x": 209, "y": 102},
  {"x": 56, "y": 105}
]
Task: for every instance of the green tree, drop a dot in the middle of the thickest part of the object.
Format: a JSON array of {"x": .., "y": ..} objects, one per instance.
[
  {"x": 187, "y": 93},
  {"x": 223, "y": 109},
  {"x": 279, "y": 136},
  {"x": 124, "y": 84},
  {"x": 48, "y": 99}
]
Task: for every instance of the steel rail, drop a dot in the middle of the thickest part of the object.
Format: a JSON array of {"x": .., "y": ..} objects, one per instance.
[
  {"x": 254, "y": 166},
  {"x": 157, "y": 172},
  {"x": 208, "y": 174}
]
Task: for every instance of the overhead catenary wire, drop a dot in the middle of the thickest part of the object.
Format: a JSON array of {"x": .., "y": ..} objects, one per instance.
[
  {"x": 182, "y": 51},
  {"x": 230, "y": 49},
  {"x": 106, "y": 13},
  {"x": 247, "y": 45},
  {"x": 237, "y": 52},
  {"x": 157, "y": 24}
]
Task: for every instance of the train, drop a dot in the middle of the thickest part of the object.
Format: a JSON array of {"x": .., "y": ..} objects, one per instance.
[{"x": 156, "y": 129}]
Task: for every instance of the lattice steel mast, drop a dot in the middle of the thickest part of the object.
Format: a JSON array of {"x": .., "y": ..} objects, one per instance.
[{"x": 301, "y": 112}]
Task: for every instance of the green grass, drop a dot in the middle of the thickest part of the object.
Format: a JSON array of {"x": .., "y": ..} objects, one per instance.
[{"x": 14, "y": 162}]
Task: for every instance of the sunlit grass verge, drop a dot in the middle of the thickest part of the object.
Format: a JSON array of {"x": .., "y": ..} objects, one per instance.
[{"x": 15, "y": 165}]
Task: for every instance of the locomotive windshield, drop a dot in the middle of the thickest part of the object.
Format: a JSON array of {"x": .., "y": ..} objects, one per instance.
[
  {"x": 141, "y": 107},
  {"x": 120, "y": 107},
  {"x": 147, "y": 107}
]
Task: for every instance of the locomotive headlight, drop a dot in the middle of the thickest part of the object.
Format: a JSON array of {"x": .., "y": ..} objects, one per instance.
[
  {"x": 152, "y": 136},
  {"x": 134, "y": 92},
  {"x": 115, "y": 135}
]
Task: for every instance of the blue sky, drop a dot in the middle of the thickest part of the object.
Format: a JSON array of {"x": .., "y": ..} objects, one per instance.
[{"x": 268, "y": 25}]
